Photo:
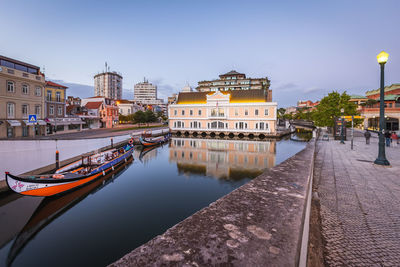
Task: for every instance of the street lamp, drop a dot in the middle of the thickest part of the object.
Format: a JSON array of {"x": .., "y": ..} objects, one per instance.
[
  {"x": 381, "y": 160},
  {"x": 342, "y": 130}
]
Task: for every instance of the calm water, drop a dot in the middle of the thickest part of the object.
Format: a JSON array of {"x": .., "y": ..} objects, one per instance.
[{"x": 103, "y": 221}]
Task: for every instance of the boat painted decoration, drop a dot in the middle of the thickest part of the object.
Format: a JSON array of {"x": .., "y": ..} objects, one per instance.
[
  {"x": 154, "y": 141},
  {"x": 71, "y": 176}
]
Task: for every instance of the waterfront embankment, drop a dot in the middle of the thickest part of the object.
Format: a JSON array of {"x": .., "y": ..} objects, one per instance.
[
  {"x": 258, "y": 224},
  {"x": 23, "y": 156}
]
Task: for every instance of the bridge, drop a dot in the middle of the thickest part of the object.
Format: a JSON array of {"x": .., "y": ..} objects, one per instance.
[{"x": 304, "y": 124}]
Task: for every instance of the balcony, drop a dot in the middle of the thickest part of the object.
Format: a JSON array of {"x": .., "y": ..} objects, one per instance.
[
  {"x": 22, "y": 74},
  {"x": 55, "y": 100}
]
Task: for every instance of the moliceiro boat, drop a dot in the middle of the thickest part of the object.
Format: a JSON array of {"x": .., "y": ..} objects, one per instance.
[
  {"x": 71, "y": 176},
  {"x": 154, "y": 141}
]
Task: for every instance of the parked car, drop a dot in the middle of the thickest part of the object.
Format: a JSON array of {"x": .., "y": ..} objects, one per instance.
[{"x": 325, "y": 137}]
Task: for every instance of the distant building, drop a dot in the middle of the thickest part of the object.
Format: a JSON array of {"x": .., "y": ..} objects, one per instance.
[
  {"x": 187, "y": 88},
  {"x": 126, "y": 107},
  {"x": 307, "y": 105},
  {"x": 358, "y": 100},
  {"x": 370, "y": 110},
  {"x": 21, "y": 95},
  {"x": 172, "y": 99},
  {"x": 105, "y": 108},
  {"x": 290, "y": 110},
  {"x": 234, "y": 80},
  {"x": 73, "y": 100},
  {"x": 146, "y": 93},
  {"x": 108, "y": 84},
  {"x": 235, "y": 111}
]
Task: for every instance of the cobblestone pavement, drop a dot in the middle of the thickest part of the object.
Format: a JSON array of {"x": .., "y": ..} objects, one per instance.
[{"x": 360, "y": 203}]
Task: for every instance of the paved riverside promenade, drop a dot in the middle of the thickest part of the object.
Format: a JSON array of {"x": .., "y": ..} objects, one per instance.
[
  {"x": 359, "y": 203},
  {"x": 258, "y": 224}
]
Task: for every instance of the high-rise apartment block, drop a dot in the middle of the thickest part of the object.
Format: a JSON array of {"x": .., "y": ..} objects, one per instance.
[
  {"x": 108, "y": 84},
  {"x": 146, "y": 93}
]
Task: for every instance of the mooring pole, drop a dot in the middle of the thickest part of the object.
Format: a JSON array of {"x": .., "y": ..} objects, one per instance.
[
  {"x": 57, "y": 159},
  {"x": 112, "y": 143}
]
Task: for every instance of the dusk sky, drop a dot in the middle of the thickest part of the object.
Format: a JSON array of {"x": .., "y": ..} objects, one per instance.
[{"x": 306, "y": 48}]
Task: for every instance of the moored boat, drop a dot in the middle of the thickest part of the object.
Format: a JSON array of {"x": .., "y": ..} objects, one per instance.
[
  {"x": 71, "y": 176},
  {"x": 154, "y": 141}
]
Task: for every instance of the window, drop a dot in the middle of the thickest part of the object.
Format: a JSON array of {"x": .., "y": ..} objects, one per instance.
[
  {"x": 37, "y": 110},
  {"x": 58, "y": 97},
  {"x": 191, "y": 112},
  {"x": 246, "y": 112},
  {"x": 10, "y": 87},
  {"x": 10, "y": 132},
  {"x": 10, "y": 110},
  {"x": 175, "y": 112},
  {"x": 59, "y": 111},
  {"x": 217, "y": 112},
  {"x": 25, "y": 89},
  {"x": 266, "y": 112},
  {"x": 51, "y": 110},
  {"x": 236, "y": 112},
  {"x": 199, "y": 112},
  {"x": 241, "y": 125},
  {"x": 48, "y": 95},
  {"x": 38, "y": 91},
  {"x": 183, "y": 112},
  {"x": 256, "y": 112},
  {"x": 24, "y": 111}
]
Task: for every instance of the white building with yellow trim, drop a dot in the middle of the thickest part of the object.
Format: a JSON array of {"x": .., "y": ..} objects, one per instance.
[{"x": 246, "y": 112}]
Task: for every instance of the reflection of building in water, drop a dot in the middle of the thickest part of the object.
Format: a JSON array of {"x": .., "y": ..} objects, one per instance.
[{"x": 223, "y": 158}]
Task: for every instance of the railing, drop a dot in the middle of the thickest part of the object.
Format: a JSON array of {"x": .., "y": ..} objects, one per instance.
[{"x": 55, "y": 99}]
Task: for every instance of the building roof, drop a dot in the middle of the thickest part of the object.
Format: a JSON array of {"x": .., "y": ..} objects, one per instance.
[
  {"x": 109, "y": 73},
  {"x": 386, "y": 89},
  {"x": 93, "y": 105},
  {"x": 19, "y": 62},
  {"x": 53, "y": 84},
  {"x": 232, "y": 72},
  {"x": 123, "y": 101},
  {"x": 390, "y": 98},
  {"x": 357, "y": 97},
  {"x": 236, "y": 96}
]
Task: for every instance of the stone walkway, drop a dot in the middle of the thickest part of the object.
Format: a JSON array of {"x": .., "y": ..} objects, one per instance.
[{"x": 359, "y": 203}]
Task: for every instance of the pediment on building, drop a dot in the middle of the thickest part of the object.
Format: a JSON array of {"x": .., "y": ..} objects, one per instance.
[{"x": 218, "y": 96}]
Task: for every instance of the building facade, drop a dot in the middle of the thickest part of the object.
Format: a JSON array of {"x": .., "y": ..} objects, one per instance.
[
  {"x": 370, "y": 110},
  {"x": 234, "y": 80},
  {"x": 126, "y": 107},
  {"x": 237, "y": 111},
  {"x": 146, "y": 93},
  {"x": 108, "y": 84},
  {"x": 102, "y": 107},
  {"x": 21, "y": 95}
]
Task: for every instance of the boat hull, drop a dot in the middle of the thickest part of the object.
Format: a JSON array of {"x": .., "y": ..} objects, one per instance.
[{"x": 51, "y": 188}]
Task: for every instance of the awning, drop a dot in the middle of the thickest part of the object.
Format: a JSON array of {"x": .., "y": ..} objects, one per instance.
[
  {"x": 14, "y": 123},
  {"x": 78, "y": 122},
  {"x": 41, "y": 122}
]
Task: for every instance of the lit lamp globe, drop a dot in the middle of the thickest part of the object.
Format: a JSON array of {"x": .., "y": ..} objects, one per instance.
[{"x": 382, "y": 57}]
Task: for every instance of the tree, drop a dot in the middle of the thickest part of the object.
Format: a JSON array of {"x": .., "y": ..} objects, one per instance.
[
  {"x": 139, "y": 117},
  {"x": 330, "y": 106},
  {"x": 149, "y": 116},
  {"x": 281, "y": 112}
]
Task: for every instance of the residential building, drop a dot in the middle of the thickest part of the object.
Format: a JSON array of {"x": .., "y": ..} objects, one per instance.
[
  {"x": 236, "y": 111},
  {"x": 307, "y": 105},
  {"x": 21, "y": 95},
  {"x": 290, "y": 110},
  {"x": 234, "y": 80},
  {"x": 146, "y": 93},
  {"x": 73, "y": 101},
  {"x": 370, "y": 110},
  {"x": 102, "y": 107},
  {"x": 108, "y": 84},
  {"x": 126, "y": 107},
  {"x": 172, "y": 99}
]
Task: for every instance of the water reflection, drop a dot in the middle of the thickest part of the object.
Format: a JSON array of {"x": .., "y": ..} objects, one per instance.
[
  {"x": 224, "y": 158},
  {"x": 52, "y": 207}
]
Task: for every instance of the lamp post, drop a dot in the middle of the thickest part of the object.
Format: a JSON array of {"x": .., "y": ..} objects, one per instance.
[
  {"x": 381, "y": 160},
  {"x": 342, "y": 130}
]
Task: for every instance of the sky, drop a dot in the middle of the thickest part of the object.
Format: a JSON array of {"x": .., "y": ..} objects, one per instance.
[{"x": 306, "y": 48}]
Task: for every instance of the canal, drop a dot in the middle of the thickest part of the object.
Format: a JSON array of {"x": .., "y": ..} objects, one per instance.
[{"x": 160, "y": 187}]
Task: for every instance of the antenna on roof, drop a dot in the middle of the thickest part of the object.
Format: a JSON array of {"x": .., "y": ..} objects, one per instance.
[
  {"x": 106, "y": 67},
  {"x": 44, "y": 70}
]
